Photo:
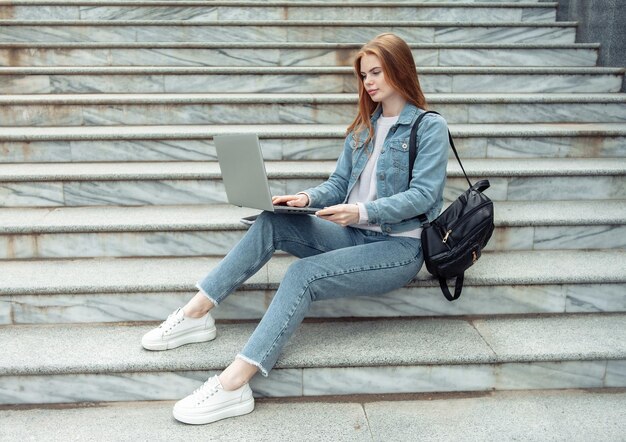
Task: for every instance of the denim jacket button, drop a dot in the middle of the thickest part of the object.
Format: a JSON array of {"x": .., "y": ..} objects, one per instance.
[
  {"x": 404, "y": 146},
  {"x": 387, "y": 229}
]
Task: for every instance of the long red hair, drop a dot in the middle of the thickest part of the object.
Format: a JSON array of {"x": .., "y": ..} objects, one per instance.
[{"x": 400, "y": 73}]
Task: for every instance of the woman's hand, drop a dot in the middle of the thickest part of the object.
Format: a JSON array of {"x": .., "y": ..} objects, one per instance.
[
  {"x": 342, "y": 214},
  {"x": 300, "y": 200}
]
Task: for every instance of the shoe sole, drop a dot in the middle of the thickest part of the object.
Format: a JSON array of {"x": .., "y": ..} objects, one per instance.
[
  {"x": 193, "y": 338},
  {"x": 232, "y": 411}
]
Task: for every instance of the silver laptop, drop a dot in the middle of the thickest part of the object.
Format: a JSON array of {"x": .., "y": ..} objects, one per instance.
[{"x": 244, "y": 176}]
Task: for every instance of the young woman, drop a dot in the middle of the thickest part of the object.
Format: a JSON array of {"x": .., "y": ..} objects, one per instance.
[{"x": 365, "y": 240}]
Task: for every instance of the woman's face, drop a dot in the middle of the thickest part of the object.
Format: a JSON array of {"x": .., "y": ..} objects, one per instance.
[{"x": 374, "y": 79}]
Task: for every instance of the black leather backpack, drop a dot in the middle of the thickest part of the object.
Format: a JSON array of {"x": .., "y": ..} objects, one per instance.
[{"x": 453, "y": 242}]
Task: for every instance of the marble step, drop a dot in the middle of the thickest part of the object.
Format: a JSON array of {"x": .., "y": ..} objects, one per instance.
[
  {"x": 84, "y": 232},
  {"x": 512, "y": 415},
  {"x": 52, "y": 291},
  {"x": 288, "y": 54},
  {"x": 321, "y": 358},
  {"x": 283, "y": 31},
  {"x": 194, "y": 79},
  {"x": 183, "y": 183},
  {"x": 279, "y": 10},
  {"x": 296, "y": 141},
  {"x": 23, "y": 111}
]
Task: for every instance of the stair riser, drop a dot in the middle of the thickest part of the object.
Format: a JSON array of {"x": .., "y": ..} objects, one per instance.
[
  {"x": 298, "y": 149},
  {"x": 202, "y": 243},
  {"x": 287, "y": 33},
  {"x": 330, "y": 13},
  {"x": 190, "y": 191},
  {"x": 286, "y": 57},
  {"x": 318, "y": 381},
  {"x": 300, "y": 83},
  {"x": 294, "y": 113},
  {"x": 252, "y": 304}
]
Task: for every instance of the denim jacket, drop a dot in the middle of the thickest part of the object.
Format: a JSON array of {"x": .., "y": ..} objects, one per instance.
[{"x": 397, "y": 204}]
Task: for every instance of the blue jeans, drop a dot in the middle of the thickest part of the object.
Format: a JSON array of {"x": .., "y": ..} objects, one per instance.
[{"x": 336, "y": 262}]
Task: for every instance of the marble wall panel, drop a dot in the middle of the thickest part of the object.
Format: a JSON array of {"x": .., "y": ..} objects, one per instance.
[
  {"x": 152, "y": 150},
  {"x": 547, "y": 113},
  {"x": 40, "y": 12},
  {"x": 536, "y": 83},
  {"x": 511, "y": 238},
  {"x": 580, "y": 237},
  {"x": 316, "y": 57},
  {"x": 599, "y": 146},
  {"x": 84, "y": 245},
  {"x": 203, "y": 33},
  {"x": 615, "y": 374},
  {"x": 25, "y": 84},
  {"x": 517, "y": 34},
  {"x": 429, "y": 301},
  {"x": 351, "y": 34},
  {"x": 132, "y": 386},
  {"x": 589, "y": 298},
  {"x": 108, "y": 83},
  {"x": 31, "y": 194},
  {"x": 34, "y": 152},
  {"x": 538, "y": 14},
  {"x": 17, "y": 246},
  {"x": 144, "y": 192},
  {"x": 55, "y": 57},
  {"x": 252, "y": 304},
  {"x": 309, "y": 149},
  {"x": 100, "y": 307},
  {"x": 197, "y": 57},
  {"x": 454, "y": 112},
  {"x": 5, "y": 312},
  {"x": 389, "y": 379},
  {"x": 548, "y": 375},
  {"x": 148, "y": 13},
  {"x": 82, "y": 33},
  {"x": 41, "y": 115},
  {"x": 377, "y": 13},
  {"x": 529, "y": 147},
  {"x": 517, "y": 57},
  {"x": 155, "y": 192},
  {"x": 221, "y": 83},
  {"x": 566, "y": 188}
]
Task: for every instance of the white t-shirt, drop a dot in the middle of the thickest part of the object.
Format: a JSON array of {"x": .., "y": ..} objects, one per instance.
[{"x": 365, "y": 188}]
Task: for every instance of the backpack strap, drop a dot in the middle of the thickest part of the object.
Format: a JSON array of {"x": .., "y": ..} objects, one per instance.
[
  {"x": 413, "y": 155},
  {"x": 458, "y": 286}
]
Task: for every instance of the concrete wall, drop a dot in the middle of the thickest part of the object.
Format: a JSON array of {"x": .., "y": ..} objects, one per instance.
[{"x": 599, "y": 21}]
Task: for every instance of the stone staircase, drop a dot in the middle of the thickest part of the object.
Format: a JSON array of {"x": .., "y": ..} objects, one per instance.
[{"x": 112, "y": 207}]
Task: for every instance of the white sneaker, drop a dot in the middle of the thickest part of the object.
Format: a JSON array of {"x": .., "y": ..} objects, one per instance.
[
  {"x": 211, "y": 402},
  {"x": 178, "y": 330}
]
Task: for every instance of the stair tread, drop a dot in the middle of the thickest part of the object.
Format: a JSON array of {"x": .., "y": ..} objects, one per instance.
[
  {"x": 300, "y": 98},
  {"x": 349, "y": 23},
  {"x": 294, "y": 44},
  {"x": 226, "y": 217},
  {"x": 186, "y": 170},
  {"x": 126, "y": 275},
  {"x": 19, "y": 133},
  {"x": 426, "y": 70},
  {"x": 511, "y": 415},
  {"x": 64, "y": 349}
]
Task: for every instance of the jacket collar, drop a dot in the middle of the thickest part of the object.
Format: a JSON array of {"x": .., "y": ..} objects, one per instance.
[{"x": 407, "y": 115}]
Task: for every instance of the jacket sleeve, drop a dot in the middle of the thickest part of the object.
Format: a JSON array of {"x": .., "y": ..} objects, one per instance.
[
  {"x": 427, "y": 182},
  {"x": 334, "y": 189}
]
